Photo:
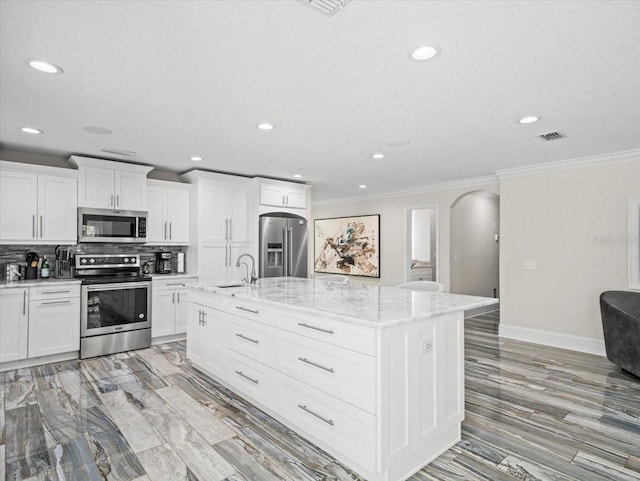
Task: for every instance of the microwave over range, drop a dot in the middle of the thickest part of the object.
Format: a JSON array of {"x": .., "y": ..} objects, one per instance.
[{"x": 106, "y": 225}]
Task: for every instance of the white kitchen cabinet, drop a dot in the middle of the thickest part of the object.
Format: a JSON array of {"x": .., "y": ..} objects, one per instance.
[
  {"x": 105, "y": 184},
  {"x": 38, "y": 204},
  {"x": 54, "y": 326},
  {"x": 168, "y": 213},
  {"x": 197, "y": 334},
  {"x": 283, "y": 194},
  {"x": 169, "y": 306},
  {"x": 14, "y": 323},
  {"x": 223, "y": 224},
  {"x": 207, "y": 337}
]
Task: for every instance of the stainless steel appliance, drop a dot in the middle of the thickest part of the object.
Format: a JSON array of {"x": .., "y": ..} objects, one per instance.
[
  {"x": 163, "y": 263},
  {"x": 106, "y": 225},
  {"x": 283, "y": 245},
  {"x": 115, "y": 304}
]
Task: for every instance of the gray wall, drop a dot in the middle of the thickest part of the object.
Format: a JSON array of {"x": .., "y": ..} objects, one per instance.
[{"x": 475, "y": 221}]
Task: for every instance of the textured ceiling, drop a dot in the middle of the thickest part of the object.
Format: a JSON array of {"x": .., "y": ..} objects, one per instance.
[{"x": 176, "y": 79}]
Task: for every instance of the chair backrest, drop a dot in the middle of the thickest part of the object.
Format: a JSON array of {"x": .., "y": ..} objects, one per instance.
[
  {"x": 429, "y": 286},
  {"x": 338, "y": 279}
]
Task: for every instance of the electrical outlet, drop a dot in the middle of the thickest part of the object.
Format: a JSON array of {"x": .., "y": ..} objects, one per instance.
[
  {"x": 529, "y": 265},
  {"x": 427, "y": 346}
]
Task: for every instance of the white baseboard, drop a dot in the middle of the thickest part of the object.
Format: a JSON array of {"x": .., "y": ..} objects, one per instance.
[{"x": 553, "y": 339}]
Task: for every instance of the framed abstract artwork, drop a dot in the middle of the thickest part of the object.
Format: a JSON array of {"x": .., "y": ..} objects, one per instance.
[{"x": 347, "y": 246}]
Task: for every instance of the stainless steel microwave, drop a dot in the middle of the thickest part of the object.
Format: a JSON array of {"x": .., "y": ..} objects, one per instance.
[{"x": 106, "y": 225}]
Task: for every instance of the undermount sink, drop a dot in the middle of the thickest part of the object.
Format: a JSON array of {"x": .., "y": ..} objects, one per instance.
[{"x": 226, "y": 286}]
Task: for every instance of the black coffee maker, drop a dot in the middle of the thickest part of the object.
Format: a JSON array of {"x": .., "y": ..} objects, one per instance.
[{"x": 163, "y": 263}]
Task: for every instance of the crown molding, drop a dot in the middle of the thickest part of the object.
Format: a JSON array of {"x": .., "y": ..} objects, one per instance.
[
  {"x": 449, "y": 185},
  {"x": 569, "y": 164}
]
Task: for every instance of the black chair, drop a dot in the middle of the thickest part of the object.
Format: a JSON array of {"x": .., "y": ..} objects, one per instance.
[{"x": 621, "y": 324}]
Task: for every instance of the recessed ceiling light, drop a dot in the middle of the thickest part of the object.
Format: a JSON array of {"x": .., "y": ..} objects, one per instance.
[
  {"x": 378, "y": 156},
  {"x": 528, "y": 120},
  {"x": 43, "y": 66},
  {"x": 362, "y": 186},
  {"x": 265, "y": 126},
  {"x": 195, "y": 158},
  {"x": 31, "y": 130},
  {"x": 425, "y": 52},
  {"x": 97, "y": 130},
  {"x": 298, "y": 176}
]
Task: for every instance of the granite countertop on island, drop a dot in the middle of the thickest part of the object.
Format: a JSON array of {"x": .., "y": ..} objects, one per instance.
[{"x": 359, "y": 303}]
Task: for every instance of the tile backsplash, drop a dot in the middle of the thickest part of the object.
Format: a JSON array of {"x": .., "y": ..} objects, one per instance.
[{"x": 15, "y": 254}]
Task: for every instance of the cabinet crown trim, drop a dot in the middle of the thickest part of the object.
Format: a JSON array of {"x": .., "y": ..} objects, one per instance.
[
  {"x": 38, "y": 169},
  {"x": 78, "y": 161},
  {"x": 168, "y": 183}
]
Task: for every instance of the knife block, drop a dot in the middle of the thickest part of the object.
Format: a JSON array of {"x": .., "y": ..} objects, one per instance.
[{"x": 31, "y": 273}]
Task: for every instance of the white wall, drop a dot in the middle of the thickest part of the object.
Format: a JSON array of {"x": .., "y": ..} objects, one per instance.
[
  {"x": 393, "y": 226},
  {"x": 553, "y": 219}
]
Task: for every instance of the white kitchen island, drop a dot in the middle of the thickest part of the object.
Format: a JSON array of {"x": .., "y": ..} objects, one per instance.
[{"x": 373, "y": 375}]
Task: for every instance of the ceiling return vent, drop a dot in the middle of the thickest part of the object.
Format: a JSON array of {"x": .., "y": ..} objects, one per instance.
[
  {"x": 551, "y": 136},
  {"x": 326, "y": 7}
]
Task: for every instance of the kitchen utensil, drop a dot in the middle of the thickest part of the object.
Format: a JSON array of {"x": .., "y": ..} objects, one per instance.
[{"x": 32, "y": 259}]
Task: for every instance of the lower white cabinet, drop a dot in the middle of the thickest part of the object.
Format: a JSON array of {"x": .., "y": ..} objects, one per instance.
[
  {"x": 14, "y": 324},
  {"x": 207, "y": 338},
  {"x": 54, "y": 326},
  {"x": 169, "y": 306}
]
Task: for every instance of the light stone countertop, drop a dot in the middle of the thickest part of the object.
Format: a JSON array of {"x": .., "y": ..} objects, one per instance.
[
  {"x": 358, "y": 303},
  {"x": 173, "y": 275},
  {"x": 37, "y": 282}
]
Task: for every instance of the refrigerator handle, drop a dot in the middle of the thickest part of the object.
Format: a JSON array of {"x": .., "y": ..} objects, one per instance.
[
  {"x": 285, "y": 252},
  {"x": 290, "y": 244}
]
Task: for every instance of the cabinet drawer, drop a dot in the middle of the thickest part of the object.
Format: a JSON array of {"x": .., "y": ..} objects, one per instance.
[
  {"x": 171, "y": 284},
  {"x": 53, "y": 291},
  {"x": 253, "y": 339},
  {"x": 351, "y": 336},
  {"x": 339, "y": 372},
  {"x": 256, "y": 381},
  {"x": 332, "y": 423},
  {"x": 252, "y": 312}
]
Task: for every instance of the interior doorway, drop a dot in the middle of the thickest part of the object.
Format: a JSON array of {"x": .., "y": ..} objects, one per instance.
[
  {"x": 421, "y": 260},
  {"x": 475, "y": 244}
]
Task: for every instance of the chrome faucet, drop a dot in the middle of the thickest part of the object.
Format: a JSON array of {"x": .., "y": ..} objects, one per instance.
[{"x": 251, "y": 278}]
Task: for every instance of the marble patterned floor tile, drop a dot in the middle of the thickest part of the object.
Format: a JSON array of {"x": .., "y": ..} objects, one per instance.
[
  {"x": 200, "y": 418},
  {"x": 192, "y": 448},
  {"x": 162, "y": 464},
  {"x": 134, "y": 426},
  {"x": 533, "y": 413}
]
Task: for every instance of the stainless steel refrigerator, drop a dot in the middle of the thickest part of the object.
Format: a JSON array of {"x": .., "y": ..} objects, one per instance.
[{"x": 283, "y": 245}]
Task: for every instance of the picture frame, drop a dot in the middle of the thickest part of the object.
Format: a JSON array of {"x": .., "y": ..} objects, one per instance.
[
  {"x": 347, "y": 246},
  {"x": 633, "y": 242}
]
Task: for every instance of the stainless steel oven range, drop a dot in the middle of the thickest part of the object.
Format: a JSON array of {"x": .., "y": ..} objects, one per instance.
[{"x": 115, "y": 304}]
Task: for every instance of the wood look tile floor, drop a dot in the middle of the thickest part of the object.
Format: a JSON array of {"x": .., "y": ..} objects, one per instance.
[{"x": 532, "y": 413}]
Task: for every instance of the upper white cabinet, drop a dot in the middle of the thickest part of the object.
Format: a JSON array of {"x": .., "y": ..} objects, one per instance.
[
  {"x": 283, "y": 194},
  {"x": 104, "y": 184},
  {"x": 223, "y": 224},
  {"x": 168, "y": 213},
  {"x": 38, "y": 204}
]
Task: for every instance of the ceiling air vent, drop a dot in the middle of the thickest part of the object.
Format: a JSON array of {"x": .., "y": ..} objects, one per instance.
[
  {"x": 551, "y": 136},
  {"x": 326, "y": 7}
]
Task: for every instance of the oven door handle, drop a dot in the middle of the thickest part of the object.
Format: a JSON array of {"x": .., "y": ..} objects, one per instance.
[{"x": 116, "y": 286}]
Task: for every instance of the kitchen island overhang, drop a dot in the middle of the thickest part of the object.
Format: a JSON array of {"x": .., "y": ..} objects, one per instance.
[{"x": 373, "y": 375}]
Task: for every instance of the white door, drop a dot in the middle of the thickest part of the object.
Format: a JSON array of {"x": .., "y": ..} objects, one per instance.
[
  {"x": 13, "y": 324},
  {"x": 54, "y": 326},
  {"x": 216, "y": 323},
  {"x": 162, "y": 312},
  {"x": 130, "y": 190},
  {"x": 178, "y": 215},
  {"x": 97, "y": 188},
  {"x": 196, "y": 335},
  {"x": 296, "y": 199},
  {"x": 213, "y": 262},
  {"x": 212, "y": 213},
  {"x": 57, "y": 209},
  {"x": 181, "y": 311},
  {"x": 18, "y": 206},
  {"x": 240, "y": 219},
  {"x": 271, "y": 195},
  {"x": 156, "y": 215}
]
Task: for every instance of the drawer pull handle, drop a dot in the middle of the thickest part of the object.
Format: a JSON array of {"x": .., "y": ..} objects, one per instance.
[
  {"x": 68, "y": 301},
  {"x": 245, "y": 309},
  {"x": 240, "y": 373},
  {"x": 241, "y": 336},
  {"x": 55, "y": 292},
  {"x": 321, "y": 418},
  {"x": 175, "y": 284},
  {"x": 315, "y": 364},
  {"x": 308, "y": 326}
]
